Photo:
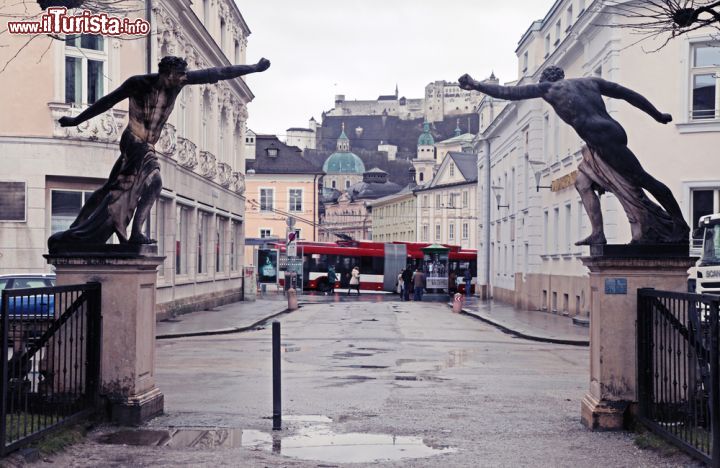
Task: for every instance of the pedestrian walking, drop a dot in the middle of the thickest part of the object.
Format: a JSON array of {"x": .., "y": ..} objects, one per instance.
[
  {"x": 400, "y": 288},
  {"x": 468, "y": 282},
  {"x": 354, "y": 281},
  {"x": 407, "y": 277},
  {"x": 418, "y": 284},
  {"x": 332, "y": 277}
]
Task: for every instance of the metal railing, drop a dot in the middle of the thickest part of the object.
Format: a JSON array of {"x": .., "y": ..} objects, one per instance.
[
  {"x": 50, "y": 359},
  {"x": 678, "y": 372}
]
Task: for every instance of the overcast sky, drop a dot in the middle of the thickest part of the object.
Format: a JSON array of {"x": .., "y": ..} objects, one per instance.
[{"x": 362, "y": 48}]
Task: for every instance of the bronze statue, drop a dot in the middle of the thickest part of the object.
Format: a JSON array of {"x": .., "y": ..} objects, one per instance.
[
  {"x": 608, "y": 164},
  {"x": 134, "y": 183}
]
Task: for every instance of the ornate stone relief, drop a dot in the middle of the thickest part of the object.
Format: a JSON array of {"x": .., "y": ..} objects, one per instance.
[
  {"x": 187, "y": 153},
  {"x": 208, "y": 165},
  {"x": 106, "y": 127},
  {"x": 238, "y": 182},
  {"x": 167, "y": 144},
  {"x": 224, "y": 174}
]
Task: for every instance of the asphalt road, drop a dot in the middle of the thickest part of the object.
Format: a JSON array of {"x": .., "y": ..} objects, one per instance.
[{"x": 467, "y": 393}]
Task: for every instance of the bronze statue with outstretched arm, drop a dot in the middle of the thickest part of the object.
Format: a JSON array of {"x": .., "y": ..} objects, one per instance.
[
  {"x": 134, "y": 183},
  {"x": 579, "y": 103}
]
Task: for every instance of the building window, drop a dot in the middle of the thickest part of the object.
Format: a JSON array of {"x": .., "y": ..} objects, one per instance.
[
  {"x": 705, "y": 81},
  {"x": 547, "y": 45},
  {"x": 556, "y": 230},
  {"x": 568, "y": 224},
  {"x": 181, "y": 240},
  {"x": 422, "y": 177},
  {"x": 425, "y": 201},
  {"x": 451, "y": 231},
  {"x": 65, "y": 206},
  {"x": 558, "y": 32},
  {"x": 159, "y": 234},
  {"x": 465, "y": 199},
  {"x": 264, "y": 233},
  {"x": 437, "y": 200},
  {"x": 425, "y": 234},
  {"x": 525, "y": 60},
  {"x": 437, "y": 232},
  {"x": 202, "y": 241},
  {"x": 235, "y": 245},
  {"x": 295, "y": 196},
  {"x": 333, "y": 183},
  {"x": 704, "y": 202},
  {"x": 569, "y": 18},
  {"x": 267, "y": 197},
  {"x": 465, "y": 231},
  {"x": 452, "y": 169},
  {"x": 546, "y": 137},
  {"x": 13, "y": 199},
  {"x": 546, "y": 231},
  {"x": 220, "y": 245},
  {"x": 85, "y": 63},
  {"x": 347, "y": 184}
]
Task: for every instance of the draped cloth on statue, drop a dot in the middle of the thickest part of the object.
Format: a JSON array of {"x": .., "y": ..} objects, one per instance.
[
  {"x": 111, "y": 207},
  {"x": 649, "y": 223}
]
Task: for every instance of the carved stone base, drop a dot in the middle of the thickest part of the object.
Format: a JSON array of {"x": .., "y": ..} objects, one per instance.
[
  {"x": 136, "y": 410},
  {"x": 603, "y": 415}
]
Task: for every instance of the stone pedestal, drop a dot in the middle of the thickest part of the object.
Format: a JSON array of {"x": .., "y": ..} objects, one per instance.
[
  {"x": 127, "y": 364},
  {"x": 614, "y": 281}
]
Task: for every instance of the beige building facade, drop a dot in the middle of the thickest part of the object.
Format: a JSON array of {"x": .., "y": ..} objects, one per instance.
[
  {"x": 394, "y": 218},
  {"x": 534, "y": 262},
  {"x": 198, "y": 221},
  {"x": 447, "y": 207}
]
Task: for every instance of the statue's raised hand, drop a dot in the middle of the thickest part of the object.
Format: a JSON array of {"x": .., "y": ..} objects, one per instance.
[
  {"x": 67, "y": 121},
  {"x": 262, "y": 65},
  {"x": 466, "y": 82}
]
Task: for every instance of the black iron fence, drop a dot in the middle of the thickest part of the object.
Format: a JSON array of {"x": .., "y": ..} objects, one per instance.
[
  {"x": 50, "y": 359},
  {"x": 678, "y": 375}
]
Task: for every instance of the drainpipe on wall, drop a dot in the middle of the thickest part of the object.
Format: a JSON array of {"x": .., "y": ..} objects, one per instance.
[
  {"x": 315, "y": 207},
  {"x": 148, "y": 17},
  {"x": 487, "y": 209}
]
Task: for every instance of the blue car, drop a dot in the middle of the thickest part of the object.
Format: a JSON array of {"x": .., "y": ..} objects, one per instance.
[{"x": 30, "y": 306}]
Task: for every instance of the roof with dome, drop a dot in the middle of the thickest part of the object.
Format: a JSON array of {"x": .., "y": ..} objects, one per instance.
[
  {"x": 343, "y": 161},
  {"x": 426, "y": 138}
]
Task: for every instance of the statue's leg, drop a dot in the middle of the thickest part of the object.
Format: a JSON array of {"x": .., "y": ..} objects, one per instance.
[
  {"x": 149, "y": 195},
  {"x": 622, "y": 159},
  {"x": 591, "y": 202}
]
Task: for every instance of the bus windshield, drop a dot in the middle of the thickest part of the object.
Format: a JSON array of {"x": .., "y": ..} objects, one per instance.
[{"x": 711, "y": 246}]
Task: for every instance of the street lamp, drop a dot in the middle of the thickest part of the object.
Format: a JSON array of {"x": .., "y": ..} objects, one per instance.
[
  {"x": 538, "y": 174},
  {"x": 498, "y": 196}
]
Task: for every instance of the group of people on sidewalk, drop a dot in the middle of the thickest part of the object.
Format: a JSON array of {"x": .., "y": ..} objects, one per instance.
[
  {"x": 411, "y": 280},
  {"x": 353, "y": 284}
]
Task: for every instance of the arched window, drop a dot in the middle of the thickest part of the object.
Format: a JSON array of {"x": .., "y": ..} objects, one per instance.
[{"x": 422, "y": 177}]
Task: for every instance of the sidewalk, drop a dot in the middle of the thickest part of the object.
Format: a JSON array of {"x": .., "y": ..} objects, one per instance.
[
  {"x": 531, "y": 325},
  {"x": 230, "y": 318}
]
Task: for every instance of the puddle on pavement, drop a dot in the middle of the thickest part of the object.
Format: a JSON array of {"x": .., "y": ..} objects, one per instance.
[{"x": 316, "y": 442}]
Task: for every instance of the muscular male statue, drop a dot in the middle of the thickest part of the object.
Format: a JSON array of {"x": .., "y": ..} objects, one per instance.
[
  {"x": 134, "y": 183},
  {"x": 608, "y": 163}
]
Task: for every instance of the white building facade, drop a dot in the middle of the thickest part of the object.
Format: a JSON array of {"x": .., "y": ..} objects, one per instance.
[{"x": 533, "y": 260}]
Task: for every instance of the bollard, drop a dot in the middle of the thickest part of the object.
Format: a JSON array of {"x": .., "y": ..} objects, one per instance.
[
  {"x": 292, "y": 299},
  {"x": 458, "y": 303},
  {"x": 277, "y": 407}
]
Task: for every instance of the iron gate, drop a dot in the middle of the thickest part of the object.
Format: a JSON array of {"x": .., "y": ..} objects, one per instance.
[
  {"x": 678, "y": 391},
  {"x": 50, "y": 359}
]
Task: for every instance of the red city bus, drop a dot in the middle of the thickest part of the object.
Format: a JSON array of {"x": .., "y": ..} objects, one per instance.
[{"x": 379, "y": 263}]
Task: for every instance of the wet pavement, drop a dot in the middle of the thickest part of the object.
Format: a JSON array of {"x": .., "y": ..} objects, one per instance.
[
  {"x": 529, "y": 324},
  {"x": 402, "y": 384}
]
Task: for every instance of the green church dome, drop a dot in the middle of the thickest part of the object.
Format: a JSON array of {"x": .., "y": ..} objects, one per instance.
[
  {"x": 342, "y": 162},
  {"x": 425, "y": 137}
]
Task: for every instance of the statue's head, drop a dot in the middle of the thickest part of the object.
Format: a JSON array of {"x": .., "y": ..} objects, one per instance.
[
  {"x": 552, "y": 74},
  {"x": 172, "y": 69}
]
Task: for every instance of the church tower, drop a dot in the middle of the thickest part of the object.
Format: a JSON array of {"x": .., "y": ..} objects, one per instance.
[{"x": 425, "y": 160}]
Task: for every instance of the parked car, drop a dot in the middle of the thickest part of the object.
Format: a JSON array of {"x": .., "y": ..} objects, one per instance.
[{"x": 30, "y": 305}]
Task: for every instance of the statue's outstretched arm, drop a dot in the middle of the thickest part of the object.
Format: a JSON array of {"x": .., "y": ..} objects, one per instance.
[
  {"x": 213, "y": 75},
  {"x": 614, "y": 90},
  {"x": 511, "y": 93},
  {"x": 101, "y": 105}
]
